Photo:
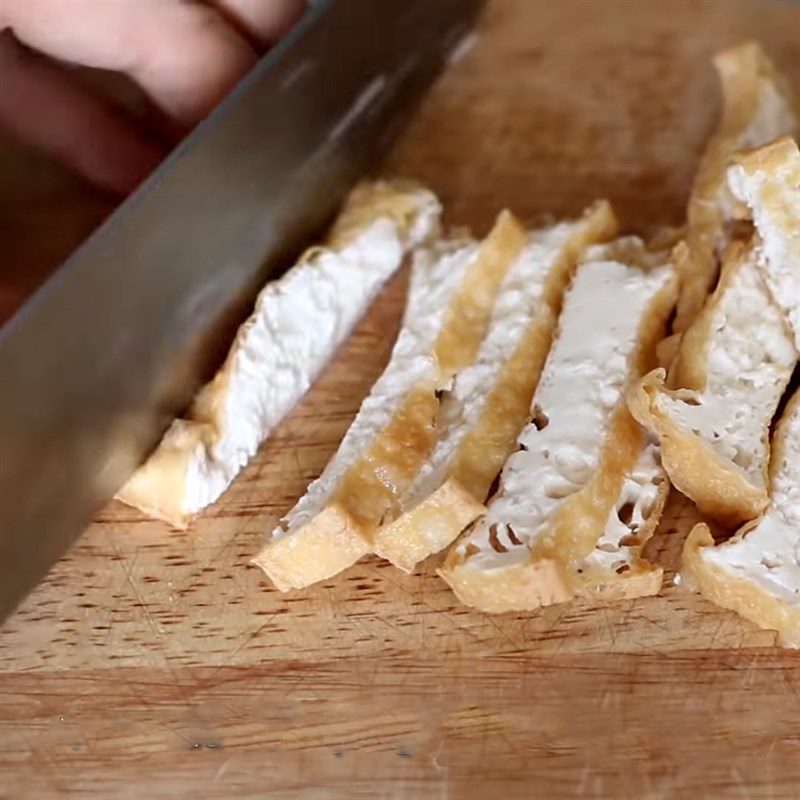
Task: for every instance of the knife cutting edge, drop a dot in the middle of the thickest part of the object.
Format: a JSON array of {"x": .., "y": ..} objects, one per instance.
[{"x": 98, "y": 361}]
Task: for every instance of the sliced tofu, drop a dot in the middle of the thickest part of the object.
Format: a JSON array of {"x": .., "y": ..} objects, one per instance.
[
  {"x": 489, "y": 402},
  {"x": 735, "y": 360},
  {"x": 757, "y": 108},
  {"x": 767, "y": 181},
  {"x": 615, "y": 569},
  {"x": 757, "y": 572},
  {"x": 298, "y": 323},
  {"x": 558, "y": 491},
  {"x": 453, "y": 289}
]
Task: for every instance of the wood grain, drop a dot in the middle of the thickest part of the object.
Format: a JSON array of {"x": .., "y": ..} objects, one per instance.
[{"x": 153, "y": 663}]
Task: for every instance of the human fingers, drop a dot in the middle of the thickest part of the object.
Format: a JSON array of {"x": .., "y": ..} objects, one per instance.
[
  {"x": 44, "y": 105},
  {"x": 186, "y": 57},
  {"x": 262, "y": 21}
]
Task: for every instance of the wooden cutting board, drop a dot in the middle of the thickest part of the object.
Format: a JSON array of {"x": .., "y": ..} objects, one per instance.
[{"x": 155, "y": 664}]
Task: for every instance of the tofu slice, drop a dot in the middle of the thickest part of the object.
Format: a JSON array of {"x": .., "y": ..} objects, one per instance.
[
  {"x": 736, "y": 359},
  {"x": 767, "y": 181},
  {"x": 557, "y": 492},
  {"x": 298, "y": 323},
  {"x": 757, "y": 108},
  {"x": 757, "y": 572},
  {"x": 453, "y": 288},
  {"x": 615, "y": 569},
  {"x": 483, "y": 413}
]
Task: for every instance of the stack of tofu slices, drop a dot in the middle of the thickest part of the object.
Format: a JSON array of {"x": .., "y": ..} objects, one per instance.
[{"x": 537, "y": 405}]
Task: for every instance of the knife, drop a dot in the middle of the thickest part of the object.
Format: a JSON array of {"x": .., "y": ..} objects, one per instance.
[{"x": 95, "y": 365}]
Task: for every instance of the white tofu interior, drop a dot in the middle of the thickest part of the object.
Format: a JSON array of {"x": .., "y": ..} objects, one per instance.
[
  {"x": 619, "y": 544},
  {"x": 436, "y": 276},
  {"x": 774, "y": 202},
  {"x": 297, "y": 325},
  {"x": 773, "y": 117},
  {"x": 519, "y": 297},
  {"x": 584, "y": 380},
  {"x": 750, "y": 359},
  {"x": 769, "y": 554}
]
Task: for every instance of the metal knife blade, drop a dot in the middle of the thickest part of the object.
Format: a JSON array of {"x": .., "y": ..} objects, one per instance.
[{"x": 94, "y": 366}]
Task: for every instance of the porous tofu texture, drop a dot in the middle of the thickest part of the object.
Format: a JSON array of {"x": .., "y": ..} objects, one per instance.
[
  {"x": 757, "y": 572},
  {"x": 298, "y": 323},
  {"x": 578, "y": 410}
]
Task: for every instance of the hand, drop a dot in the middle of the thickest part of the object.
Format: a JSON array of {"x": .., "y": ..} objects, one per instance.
[{"x": 184, "y": 55}]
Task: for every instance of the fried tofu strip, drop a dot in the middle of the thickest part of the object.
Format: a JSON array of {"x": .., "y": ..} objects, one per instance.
[
  {"x": 298, "y": 323},
  {"x": 737, "y": 358},
  {"x": 452, "y": 292},
  {"x": 483, "y": 413},
  {"x": 757, "y": 108},
  {"x": 578, "y": 457},
  {"x": 767, "y": 181},
  {"x": 757, "y": 572}
]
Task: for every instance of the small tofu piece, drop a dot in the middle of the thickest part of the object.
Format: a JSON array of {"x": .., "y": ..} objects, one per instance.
[
  {"x": 767, "y": 181},
  {"x": 298, "y": 323},
  {"x": 736, "y": 359},
  {"x": 757, "y": 108},
  {"x": 489, "y": 402},
  {"x": 453, "y": 289},
  {"x": 757, "y": 572},
  {"x": 557, "y": 492},
  {"x": 615, "y": 569}
]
